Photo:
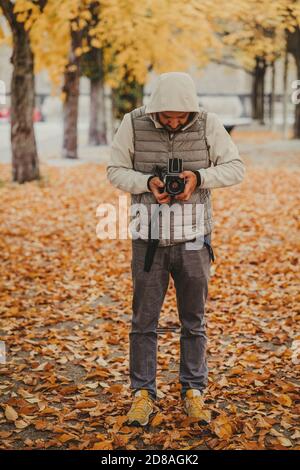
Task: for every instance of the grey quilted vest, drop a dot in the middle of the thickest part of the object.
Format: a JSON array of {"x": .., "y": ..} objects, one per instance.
[{"x": 154, "y": 146}]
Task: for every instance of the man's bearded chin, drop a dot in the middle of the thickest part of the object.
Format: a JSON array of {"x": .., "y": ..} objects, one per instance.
[{"x": 169, "y": 128}]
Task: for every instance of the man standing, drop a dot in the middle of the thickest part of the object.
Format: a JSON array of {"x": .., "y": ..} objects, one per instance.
[{"x": 172, "y": 125}]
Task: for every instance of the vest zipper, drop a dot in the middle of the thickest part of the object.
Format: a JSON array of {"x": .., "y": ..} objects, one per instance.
[
  {"x": 171, "y": 145},
  {"x": 171, "y": 142}
]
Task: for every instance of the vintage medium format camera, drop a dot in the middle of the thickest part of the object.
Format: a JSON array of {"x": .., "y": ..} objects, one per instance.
[{"x": 170, "y": 177}]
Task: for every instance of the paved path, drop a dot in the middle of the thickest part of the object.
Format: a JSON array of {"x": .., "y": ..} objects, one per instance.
[
  {"x": 271, "y": 151},
  {"x": 49, "y": 141}
]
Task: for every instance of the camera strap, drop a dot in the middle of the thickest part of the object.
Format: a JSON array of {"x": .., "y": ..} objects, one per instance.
[
  {"x": 207, "y": 243},
  {"x": 151, "y": 249},
  {"x": 152, "y": 243}
]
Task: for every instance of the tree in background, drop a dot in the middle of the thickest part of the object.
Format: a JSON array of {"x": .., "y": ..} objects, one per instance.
[
  {"x": 292, "y": 10},
  {"x": 250, "y": 31},
  {"x": 138, "y": 37},
  {"x": 259, "y": 32},
  {"x": 159, "y": 35},
  {"x": 79, "y": 27},
  {"x": 121, "y": 41},
  {"x": 127, "y": 96},
  {"x": 92, "y": 66},
  {"x": 25, "y": 165}
]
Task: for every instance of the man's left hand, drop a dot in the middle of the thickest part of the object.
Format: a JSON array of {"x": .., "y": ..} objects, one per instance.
[{"x": 190, "y": 185}]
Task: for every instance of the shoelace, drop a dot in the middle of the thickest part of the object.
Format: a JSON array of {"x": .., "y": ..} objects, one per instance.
[
  {"x": 139, "y": 402},
  {"x": 196, "y": 402}
]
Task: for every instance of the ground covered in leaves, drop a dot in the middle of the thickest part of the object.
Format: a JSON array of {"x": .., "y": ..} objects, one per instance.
[{"x": 65, "y": 303}]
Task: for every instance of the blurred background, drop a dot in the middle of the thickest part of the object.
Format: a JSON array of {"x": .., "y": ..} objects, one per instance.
[
  {"x": 77, "y": 66},
  {"x": 69, "y": 70}
]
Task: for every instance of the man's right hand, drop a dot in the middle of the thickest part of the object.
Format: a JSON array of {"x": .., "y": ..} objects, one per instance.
[{"x": 155, "y": 184}]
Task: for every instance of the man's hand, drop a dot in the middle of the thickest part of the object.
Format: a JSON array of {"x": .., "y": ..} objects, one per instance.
[
  {"x": 190, "y": 185},
  {"x": 154, "y": 184}
]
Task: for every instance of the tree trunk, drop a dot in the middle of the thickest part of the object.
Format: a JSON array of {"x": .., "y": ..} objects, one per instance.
[
  {"x": 285, "y": 96},
  {"x": 296, "y": 134},
  {"x": 70, "y": 114},
  {"x": 70, "y": 108},
  {"x": 272, "y": 96},
  {"x": 97, "y": 129},
  {"x": 25, "y": 165},
  {"x": 258, "y": 90},
  {"x": 293, "y": 46}
]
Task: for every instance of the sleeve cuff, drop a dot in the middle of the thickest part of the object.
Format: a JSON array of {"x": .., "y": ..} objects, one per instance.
[
  {"x": 148, "y": 181},
  {"x": 198, "y": 176}
]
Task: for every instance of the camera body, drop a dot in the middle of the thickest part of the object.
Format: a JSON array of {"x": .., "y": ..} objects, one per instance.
[{"x": 173, "y": 184}]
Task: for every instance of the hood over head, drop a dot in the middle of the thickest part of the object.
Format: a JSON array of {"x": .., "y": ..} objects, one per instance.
[{"x": 174, "y": 91}]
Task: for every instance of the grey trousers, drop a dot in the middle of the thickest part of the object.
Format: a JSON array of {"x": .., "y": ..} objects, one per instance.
[{"x": 190, "y": 270}]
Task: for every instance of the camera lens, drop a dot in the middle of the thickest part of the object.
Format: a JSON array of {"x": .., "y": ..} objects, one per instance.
[{"x": 175, "y": 186}]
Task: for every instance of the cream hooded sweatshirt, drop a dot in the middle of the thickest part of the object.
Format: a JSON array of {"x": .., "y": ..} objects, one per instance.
[{"x": 175, "y": 91}]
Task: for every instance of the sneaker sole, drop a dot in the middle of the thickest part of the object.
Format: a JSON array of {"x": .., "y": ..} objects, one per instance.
[
  {"x": 138, "y": 423},
  {"x": 193, "y": 417}
]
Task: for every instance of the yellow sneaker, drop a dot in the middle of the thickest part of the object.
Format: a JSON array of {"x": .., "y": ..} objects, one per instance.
[
  {"x": 193, "y": 403},
  {"x": 141, "y": 409}
]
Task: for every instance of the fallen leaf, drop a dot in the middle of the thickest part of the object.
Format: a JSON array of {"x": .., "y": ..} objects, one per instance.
[
  {"x": 116, "y": 388},
  {"x": 10, "y": 413},
  {"x": 157, "y": 420},
  {"x": 104, "y": 445},
  {"x": 284, "y": 400},
  {"x": 20, "y": 424},
  {"x": 85, "y": 404},
  {"x": 222, "y": 427},
  {"x": 284, "y": 441}
]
